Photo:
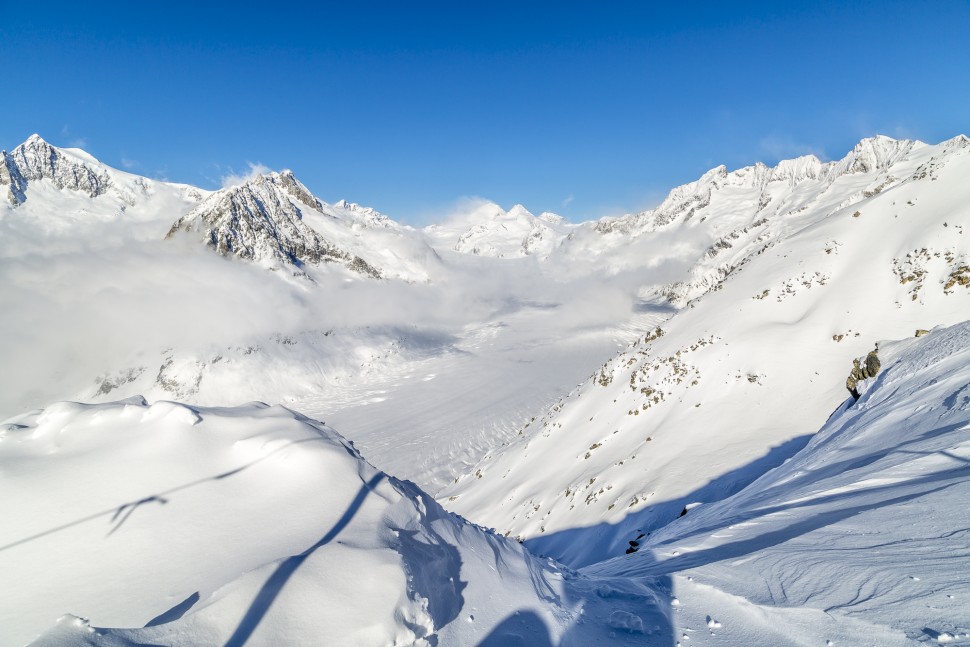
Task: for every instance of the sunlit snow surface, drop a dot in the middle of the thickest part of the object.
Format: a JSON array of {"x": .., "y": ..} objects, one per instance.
[
  {"x": 254, "y": 525},
  {"x": 257, "y": 526}
]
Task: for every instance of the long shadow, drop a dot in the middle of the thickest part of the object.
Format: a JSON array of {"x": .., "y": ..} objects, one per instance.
[
  {"x": 119, "y": 514},
  {"x": 577, "y": 547},
  {"x": 521, "y": 629},
  {"x": 272, "y": 587},
  {"x": 733, "y": 550}
]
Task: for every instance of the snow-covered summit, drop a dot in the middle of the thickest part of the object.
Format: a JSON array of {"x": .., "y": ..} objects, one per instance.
[
  {"x": 35, "y": 159},
  {"x": 262, "y": 220},
  {"x": 877, "y": 153},
  {"x": 489, "y": 230}
]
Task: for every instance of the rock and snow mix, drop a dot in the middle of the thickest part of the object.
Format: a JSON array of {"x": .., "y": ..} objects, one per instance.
[
  {"x": 859, "y": 539},
  {"x": 733, "y": 383},
  {"x": 684, "y": 477}
]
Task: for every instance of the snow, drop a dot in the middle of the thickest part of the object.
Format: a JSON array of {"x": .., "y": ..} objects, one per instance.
[
  {"x": 751, "y": 365},
  {"x": 657, "y": 400},
  {"x": 262, "y": 519},
  {"x": 859, "y": 531}
]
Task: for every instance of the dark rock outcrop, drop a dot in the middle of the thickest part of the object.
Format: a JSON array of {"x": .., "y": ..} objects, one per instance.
[{"x": 862, "y": 370}]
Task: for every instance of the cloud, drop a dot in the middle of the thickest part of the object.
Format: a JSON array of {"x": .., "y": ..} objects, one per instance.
[
  {"x": 78, "y": 142},
  {"x": 235, "y": 179},
  {"x": 461, "y": 210},
  {"x": 129, "y": 163},
  {"x": 568, "y": 199}
]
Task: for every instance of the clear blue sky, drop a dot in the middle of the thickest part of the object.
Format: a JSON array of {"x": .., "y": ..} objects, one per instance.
[{"x": 585, "y": 109}]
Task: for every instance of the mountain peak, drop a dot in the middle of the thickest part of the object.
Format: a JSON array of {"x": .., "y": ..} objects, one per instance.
[
  {"x": 875, "y": 153},
  {"x": 261, "y": 220},
  {"x": 35, "y": 159}
]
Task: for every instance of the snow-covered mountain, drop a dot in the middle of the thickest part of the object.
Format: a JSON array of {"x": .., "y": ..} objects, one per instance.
[
  {"x": 807, "y": 274},
  {"x": 744, "y": 307},
  {"x": 161, "y": 524},
  {"x": 35, "y": 159},
  {"x": 857, "y": 540},
  {"x": 60, "y": 200},
  {"x": 276, "y": 222},
  {"x": 488, "y": 230}
]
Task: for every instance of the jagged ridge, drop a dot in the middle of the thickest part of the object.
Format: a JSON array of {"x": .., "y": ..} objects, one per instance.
[
  {"x": 35, "y": 159},
  {"x": 262, "y": 221}
]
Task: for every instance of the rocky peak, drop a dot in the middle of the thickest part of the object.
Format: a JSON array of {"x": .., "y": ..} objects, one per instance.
[
  {"x": 793, "y": 171},
  {"x": 875, "y": 154},
  {"x": 262, "y": 221},
  {"x": 295, "y": 188},
  {"x": 35, "y": 159}
]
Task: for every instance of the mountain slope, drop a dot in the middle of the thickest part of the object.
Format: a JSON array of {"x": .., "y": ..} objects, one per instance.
[
  {"x": 755, "y": 362},
  {"x": 188, "y": 505},
  {"x": 35, "y": 159},
  {"x": 858, "y": 539},
  {"x": 260, "y": 221},
  {"x": 488, "y": 230}
]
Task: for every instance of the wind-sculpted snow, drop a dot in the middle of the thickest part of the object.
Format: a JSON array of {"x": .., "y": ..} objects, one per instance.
[
  {"x": 859, "y": 539},
  {"x": 175, "y": 525},
  {"x": 251, "y": 526},
  {"x": 165, "y": 524}
]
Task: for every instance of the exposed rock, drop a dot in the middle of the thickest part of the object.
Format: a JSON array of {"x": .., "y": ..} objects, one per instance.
[
  {"x": 862, "y": 370},
  {"x": 262, "y": 221},
  {"x": 35, "y": 159}
]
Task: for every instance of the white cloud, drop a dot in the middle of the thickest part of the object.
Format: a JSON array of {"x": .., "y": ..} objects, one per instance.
[
  {"x": 235, "y": 179},
  {"x": 568, "y": 199},
  {"x": 128, "y": 163}
]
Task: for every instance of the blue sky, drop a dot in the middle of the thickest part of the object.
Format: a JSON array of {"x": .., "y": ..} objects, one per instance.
[{"x": 579, "y": 108}]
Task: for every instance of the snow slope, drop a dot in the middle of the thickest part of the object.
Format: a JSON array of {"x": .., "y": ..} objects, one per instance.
[
  {"x": 178, "y": 525},
  {"x": 826, "y": 262},
  {"x": 164, "y": 522},
  {"x": 860, "y": 539}
]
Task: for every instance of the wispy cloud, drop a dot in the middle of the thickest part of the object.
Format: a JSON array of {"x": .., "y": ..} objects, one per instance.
[
  {"x": 568, "y": 199},
  {"x": 74, "y": 141},
  {"x": 235, "y": 179},
  {"x": 129, "y": 163}
]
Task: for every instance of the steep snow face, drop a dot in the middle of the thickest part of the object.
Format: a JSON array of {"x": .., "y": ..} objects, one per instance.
[
  {"x": 262, "y": 221},
  {"x": 250, "y": 525},
  {"x": 704, "y": 229},
  {"x": 736, "y": 380},
  {"x": 489, "y": 230},
  {"x": 859, "y": 539}
]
